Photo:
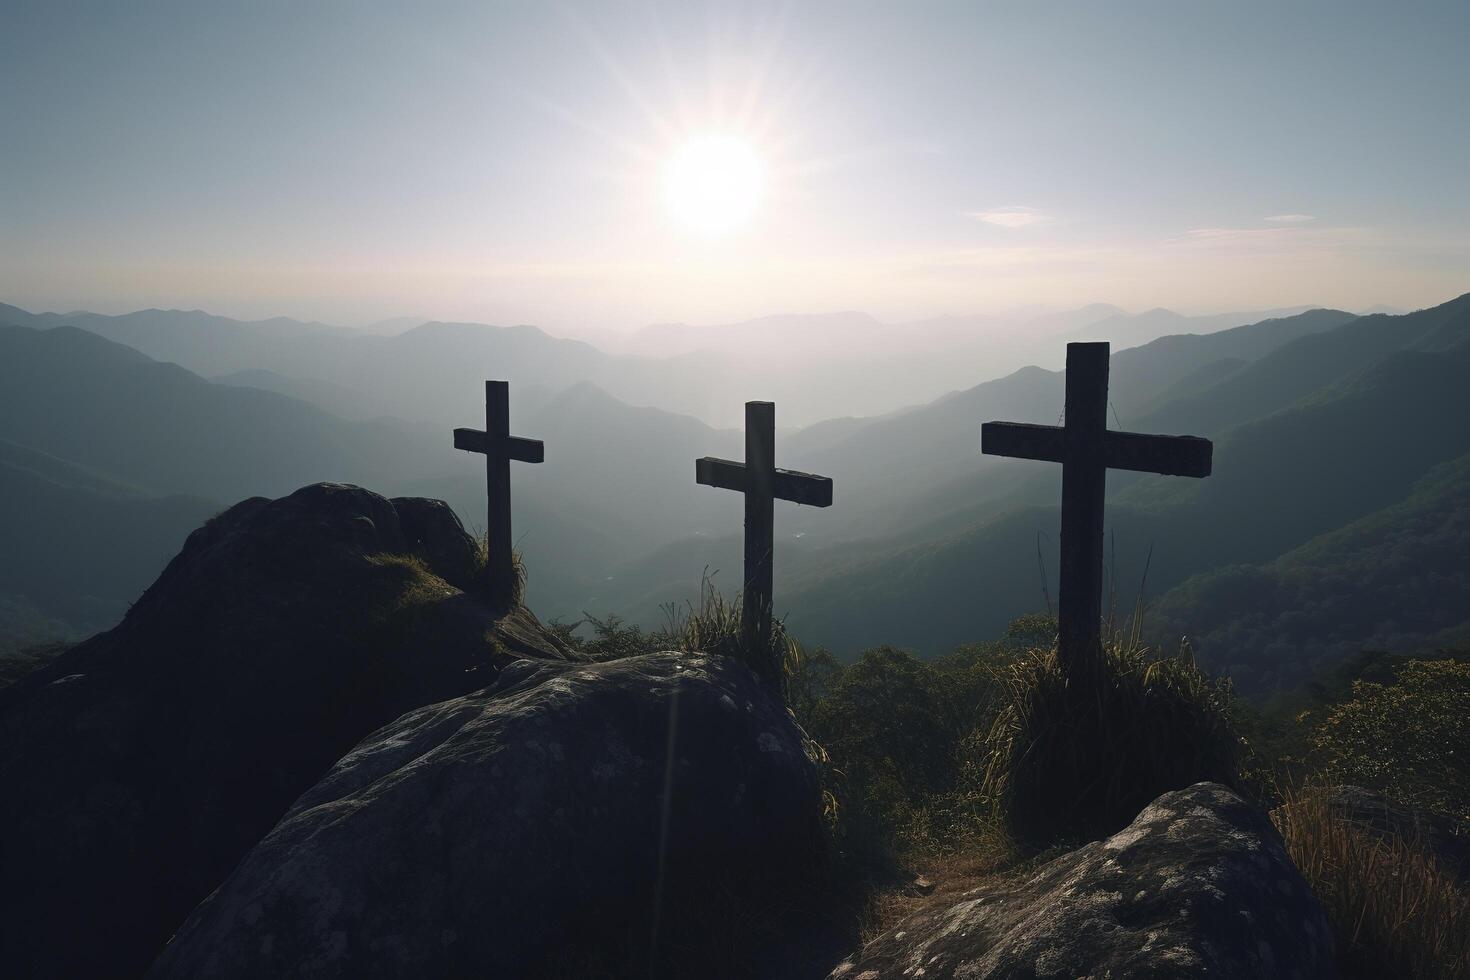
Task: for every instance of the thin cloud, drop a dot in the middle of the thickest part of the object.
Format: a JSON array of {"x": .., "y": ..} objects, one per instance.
[
  {"x": 1291, "y": 219},
  {"x": 1281, "y": 238},
  {"x": 1012, "y": 217},
  {"x": 1236, "y": 234}
]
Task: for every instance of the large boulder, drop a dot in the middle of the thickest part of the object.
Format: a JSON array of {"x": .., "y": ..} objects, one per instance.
[
  {"x": 582, "y": 820},
  {"x": 137, "y": 769},
  {"x": 1197, "y": 886}
]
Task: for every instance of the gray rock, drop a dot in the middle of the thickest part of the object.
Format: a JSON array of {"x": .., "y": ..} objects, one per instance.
[
  {"x": 431, "y": 529},
  {"x": 1197, "y": 886},
  {"x": 554, "y": 824},
  {"x": 137, "y": 769}
]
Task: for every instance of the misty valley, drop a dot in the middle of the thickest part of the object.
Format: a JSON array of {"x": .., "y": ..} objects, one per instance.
[{"x": 1336, "y": 434}]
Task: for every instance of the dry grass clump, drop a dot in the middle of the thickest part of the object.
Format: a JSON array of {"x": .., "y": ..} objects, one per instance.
[
  {"x": 1075, "y": 756},
  {"x": 402, "y": 583},
  {"x": 509, "y": 594},
  {"x": 1394, "y": 911}
]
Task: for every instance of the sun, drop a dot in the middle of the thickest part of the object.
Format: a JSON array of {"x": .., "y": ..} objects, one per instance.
[{"x": 712, "y": 183}]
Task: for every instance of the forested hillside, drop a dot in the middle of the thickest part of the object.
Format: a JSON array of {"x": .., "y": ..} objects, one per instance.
[{"x": 1395, "y": 580}]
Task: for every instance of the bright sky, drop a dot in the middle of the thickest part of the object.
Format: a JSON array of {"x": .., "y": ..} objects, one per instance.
[{"x": 600, "y": 165}]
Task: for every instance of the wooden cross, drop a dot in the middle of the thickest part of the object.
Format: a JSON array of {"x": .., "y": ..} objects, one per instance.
[
  {"x": 1087, "y": 450},
  {"x": 499, "y": 447},
  {"x": 762, "y": 485}
]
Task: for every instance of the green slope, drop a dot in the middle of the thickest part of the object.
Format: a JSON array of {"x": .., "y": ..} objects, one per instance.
[
  {"x": 78, "y": 546},
  {"x": 157, "y": 426},
  {"x": 1307, "y": 363},
  {"x": 1395, "y": 580},
  {"x": 1340, "y": 454}
]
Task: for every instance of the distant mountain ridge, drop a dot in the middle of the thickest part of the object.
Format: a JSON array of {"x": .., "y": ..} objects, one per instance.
[
  {"x": 1130, "y": 330},
  {"x": 930, "y": 544},
  {"x": 815, "y": 366}
]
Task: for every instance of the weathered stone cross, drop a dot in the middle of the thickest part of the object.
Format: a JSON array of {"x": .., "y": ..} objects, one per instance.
[
  {"x": 1087, "y": 450},
  {"x": 762, "y": 484},
  {"x": 499, "y": 447}
]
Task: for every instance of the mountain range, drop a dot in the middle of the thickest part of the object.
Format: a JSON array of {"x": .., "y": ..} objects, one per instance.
[{"x": 1322, "y": 419}]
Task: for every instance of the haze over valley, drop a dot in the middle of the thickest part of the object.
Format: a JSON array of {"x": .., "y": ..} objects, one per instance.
[{"x": 121, "y": 433}]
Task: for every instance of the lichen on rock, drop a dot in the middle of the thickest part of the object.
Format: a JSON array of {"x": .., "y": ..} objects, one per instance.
[{"x": 1179, "y": 893}]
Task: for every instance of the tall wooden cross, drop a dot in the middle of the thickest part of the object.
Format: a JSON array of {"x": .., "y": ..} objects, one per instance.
[
  {"x": 1087, "y": 450},
  {"x": 762, "y": 483},
  {"x": 499, "y": 447}
]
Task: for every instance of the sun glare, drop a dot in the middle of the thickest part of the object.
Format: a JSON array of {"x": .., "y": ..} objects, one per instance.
[{"x": 712, "y": 184}]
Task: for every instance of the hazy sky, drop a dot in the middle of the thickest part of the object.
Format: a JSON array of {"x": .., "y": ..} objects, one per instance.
[{"x": 511, "y": 161}]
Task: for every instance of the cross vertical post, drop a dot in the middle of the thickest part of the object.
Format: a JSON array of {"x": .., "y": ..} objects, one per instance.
[
  {"x": 1087, "y": 450},
  {"x": 760, "y": 500},
  {"x": 763, "y": 484},
  {"x": 498, "y": 565},
  {"x": 499, "y": 448},
  {"x": 1084, "y": 487}
]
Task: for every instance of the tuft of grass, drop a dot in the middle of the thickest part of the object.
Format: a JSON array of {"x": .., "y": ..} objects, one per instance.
[
  {"x": 1075, "y": 758},
  {"x": 402, "y": 584},
  {"x": 715, "y": 627},
  {"x": 517, "y": 578},
  {"x": 1394, "y": 910},
  {"x": 510, "y": 594}
]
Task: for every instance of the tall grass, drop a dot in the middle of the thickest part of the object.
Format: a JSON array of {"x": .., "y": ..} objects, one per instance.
[
  {"x": 1394, "y": 911},
  {"x": 510, "y": 594},
  {"x": 1075, "y": 755},
  {"x": 715, "y": 627}
]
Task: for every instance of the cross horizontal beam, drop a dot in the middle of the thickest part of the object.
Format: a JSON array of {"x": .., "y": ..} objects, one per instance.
[
  {"x": 1169, "y": 455},
  {"x": 514, "y": 447},
  {"x": 801, "y": 488}
]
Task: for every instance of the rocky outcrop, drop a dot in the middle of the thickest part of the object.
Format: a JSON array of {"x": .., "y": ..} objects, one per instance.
[
  {"x": 137, "y": 769},
  {"x": 567, "y": 821},
  {"x": 1197, "y": 886}
]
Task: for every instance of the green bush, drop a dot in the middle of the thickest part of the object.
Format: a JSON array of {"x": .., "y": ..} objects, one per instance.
[
  {"x": 612, "y": 638},
  {"x": 1409, "y": 738},
  {"x": 903, "y": 734},
  {"x": 1077, "y": 760}
]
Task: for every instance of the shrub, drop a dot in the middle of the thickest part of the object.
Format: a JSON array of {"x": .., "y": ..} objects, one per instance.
[
  {"x": 810, "y": 681},
  {"x": 905, "y": 736},
  {"x": 612, "y": 638},
  {"x": 1408, "y": 738},
  {"x": 1394, "y": 911},
  {"x": 1078, "y": 761},
  {"x": 885, "y": 724}
]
